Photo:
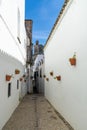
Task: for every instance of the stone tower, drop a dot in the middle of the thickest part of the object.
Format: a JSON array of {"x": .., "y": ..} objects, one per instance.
[{"x": 28, "y": 26}]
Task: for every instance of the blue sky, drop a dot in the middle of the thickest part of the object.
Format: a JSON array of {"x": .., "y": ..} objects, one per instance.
[{"x": 44, "y": 14}]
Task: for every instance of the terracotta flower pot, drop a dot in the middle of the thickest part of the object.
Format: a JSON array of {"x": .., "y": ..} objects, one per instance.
[
  {"x": 72, "y": 61},
  {"x": 58, "y": 77},
  {"x": 51, "y": 73},
  {"x": 47, "y": 79},
  {"x": 17, "y": 71},
  {"x": 44, "y": 76},
  {"x": 24, "y": 80},
  {"x": 24, "y": 76},
  {"x": 8, "y": 77},
  {"x": 20, "y": 79}
]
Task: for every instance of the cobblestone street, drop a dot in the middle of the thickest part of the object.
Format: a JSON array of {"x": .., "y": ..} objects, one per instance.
[{"x": 35, "y": 113}]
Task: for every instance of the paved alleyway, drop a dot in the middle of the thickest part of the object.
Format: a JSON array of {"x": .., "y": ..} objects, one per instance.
[{"x": 35, "y": 113}]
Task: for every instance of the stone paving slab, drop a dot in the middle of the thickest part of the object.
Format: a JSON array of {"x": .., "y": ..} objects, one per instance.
[{"x": 35, "y": 113}]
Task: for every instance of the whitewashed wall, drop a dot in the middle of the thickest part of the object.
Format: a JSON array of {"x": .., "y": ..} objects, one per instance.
[
  {"x": 41, "y": 79},
  {"x": 8, "y": 104},
  {"x": 69, "y": 96},
  {"x": 9, "y": 28},
  {"x": 12, "y": 55},
  {"x": 39, "y": 65}
]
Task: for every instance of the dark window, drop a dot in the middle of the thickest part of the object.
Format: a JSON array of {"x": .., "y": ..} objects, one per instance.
[
  {"x": 40, "y": 73},
  {"x": 17, "y": 84},
  {"x": 9, "y": 89},
  {"x": 37, "y": 73}
]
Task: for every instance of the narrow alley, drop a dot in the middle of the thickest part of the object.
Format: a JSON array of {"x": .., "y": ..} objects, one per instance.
[{"x": 35, "y": 113}]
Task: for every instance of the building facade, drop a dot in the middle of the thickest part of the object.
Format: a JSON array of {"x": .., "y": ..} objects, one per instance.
[
  {"x": 38, "y": 74},
  {"x": 12, "y": 57},
  {"x": 38, "y": 68},
  {"x": 38, "y": 49},
  {"x": 66, "y": 87},
  {"x": 28, "y": 26}
]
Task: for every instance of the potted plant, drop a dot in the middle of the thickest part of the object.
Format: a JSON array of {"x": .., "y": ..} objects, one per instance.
[
  {"x": 17, "y": 71},
  {"x": 20, "y": 79},
  {"x": 51, "y": 73},
  {"x": 47, "y": 79},
  {"x": 44, "y": 76},
  {"x": 23, "y": 75},
  {"x": 73, "y": 60},
  {"x": 58, "y": 77},
  {"x": 25, "y": 80},
  {"x": 8, "y": 77}
]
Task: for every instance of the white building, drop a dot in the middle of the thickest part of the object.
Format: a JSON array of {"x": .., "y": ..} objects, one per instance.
[
  {"x": 28, "y": 26},
  {"x": 38, "y": 74},
  {"x": 68, "y": 94},
  {"x": 12, "y": 56}
]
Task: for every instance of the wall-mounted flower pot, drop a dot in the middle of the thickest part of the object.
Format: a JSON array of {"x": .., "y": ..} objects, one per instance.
[
  {"x": 8, "y": 77},
  {"x": 47, "y": 79},
  {"x": 24, "y": 80},
  {"x": 24, "y": 76},
  {"x": 51, "y": 73},
  {"x": 17, "y": 71},
  {"x": 72, "y": 61},
  {"x": 58, "y": 77},
  {"x": 21, "y": 79},
  {"x": 44, "y": 76}
]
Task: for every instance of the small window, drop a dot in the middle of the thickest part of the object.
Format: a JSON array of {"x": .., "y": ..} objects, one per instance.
[
  {"x": 40, "y": 73},
  {"x": 17, "y": 84},
  {"x": 37, "y": 73},
  {"x": 9, "y": 89}
]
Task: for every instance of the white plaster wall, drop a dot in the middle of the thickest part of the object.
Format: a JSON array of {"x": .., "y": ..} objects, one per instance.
[
  {"x": 41, "y": 79},
  {"x": 8, "y": 28},
  {"x": 69, "y": 96},
  {"x": 7, "y": 105},
  {"x": 37, "y": 60},
  {"x": 12, "y": 55},
  {"x": 37, "y": 66}
]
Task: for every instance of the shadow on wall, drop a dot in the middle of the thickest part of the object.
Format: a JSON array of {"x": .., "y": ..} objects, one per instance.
[{"x": 38, "y": 84}]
